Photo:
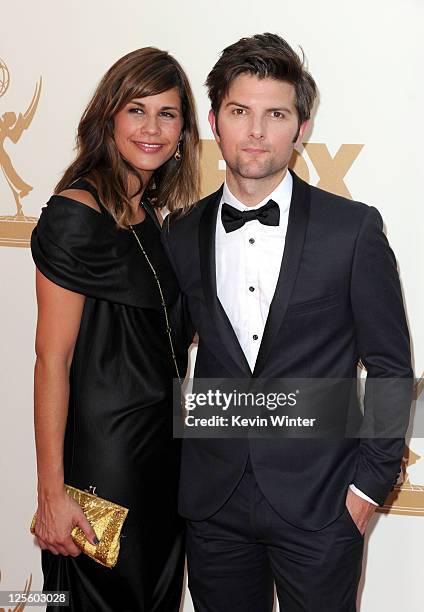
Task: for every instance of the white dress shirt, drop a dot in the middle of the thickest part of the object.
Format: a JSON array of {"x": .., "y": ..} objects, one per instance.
[{"x": 248, "y": 262}]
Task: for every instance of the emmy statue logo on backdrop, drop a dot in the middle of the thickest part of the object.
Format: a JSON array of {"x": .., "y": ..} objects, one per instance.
[
  {"x": 407, "y": 497},
  {"x": 20, "y": 606},
  {"x": 15, "y": 230}
]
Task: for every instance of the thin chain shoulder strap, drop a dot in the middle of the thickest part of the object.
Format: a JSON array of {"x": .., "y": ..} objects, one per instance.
[{"x": 162, "y": 298}]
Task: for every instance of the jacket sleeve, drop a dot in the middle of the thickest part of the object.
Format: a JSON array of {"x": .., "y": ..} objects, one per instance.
[
  {"x": 181, "y": 316},
  {"x": 384, "y": 348}
]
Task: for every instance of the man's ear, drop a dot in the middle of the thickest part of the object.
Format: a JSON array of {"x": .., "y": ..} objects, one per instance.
[
  {"x": 213, "y": 123},
  {"x": 301, "y": 133}
]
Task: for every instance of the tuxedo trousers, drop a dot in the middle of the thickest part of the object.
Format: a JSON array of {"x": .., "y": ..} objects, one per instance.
[{"x": 236, "y": 556}]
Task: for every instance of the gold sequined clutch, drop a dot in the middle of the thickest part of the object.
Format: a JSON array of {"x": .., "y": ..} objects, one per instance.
[{"x": 107, "y": 520}]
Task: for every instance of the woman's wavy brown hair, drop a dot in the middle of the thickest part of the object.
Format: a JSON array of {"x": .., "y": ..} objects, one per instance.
[{"x": 144, "y": 72}]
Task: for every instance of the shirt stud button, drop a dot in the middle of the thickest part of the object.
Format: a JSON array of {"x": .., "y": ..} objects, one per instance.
[
  {"x": 251, "y": 241},
  {"x": 255, "y": 337},
  {"x": 251, "y": 288}
]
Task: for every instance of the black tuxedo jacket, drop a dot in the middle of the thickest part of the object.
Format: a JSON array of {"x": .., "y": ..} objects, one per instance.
[{"x": 337, "y": 300}]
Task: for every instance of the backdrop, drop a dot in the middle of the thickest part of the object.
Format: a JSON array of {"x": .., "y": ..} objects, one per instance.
[{"x": 365, "y": 142}]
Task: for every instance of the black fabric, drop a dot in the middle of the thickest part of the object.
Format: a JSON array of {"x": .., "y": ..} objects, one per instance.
[
  {"x": 234, "y": 556},
  {"x": 119, "y": 428},
  {"x": 337, "y": 300},
  {"x": 82, "y": 250}
]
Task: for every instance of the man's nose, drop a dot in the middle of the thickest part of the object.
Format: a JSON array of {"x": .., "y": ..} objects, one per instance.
[{"x": 257, "y": 128}]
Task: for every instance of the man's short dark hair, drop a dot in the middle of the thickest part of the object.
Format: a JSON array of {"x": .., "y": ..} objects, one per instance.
[{"x": 262, "y": 55}]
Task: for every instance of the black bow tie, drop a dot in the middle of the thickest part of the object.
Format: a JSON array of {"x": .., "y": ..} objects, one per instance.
[{"x": 233, "y": 219}]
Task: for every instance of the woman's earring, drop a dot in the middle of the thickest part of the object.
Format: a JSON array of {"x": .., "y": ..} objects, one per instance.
[{"x": 177, "y": 154}]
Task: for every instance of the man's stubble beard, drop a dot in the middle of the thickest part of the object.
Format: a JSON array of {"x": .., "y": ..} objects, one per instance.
[{"x": 253, "y": 170}]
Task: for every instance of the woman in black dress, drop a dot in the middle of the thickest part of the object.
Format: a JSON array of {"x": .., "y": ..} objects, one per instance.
[{"x": 104, "y": 369}]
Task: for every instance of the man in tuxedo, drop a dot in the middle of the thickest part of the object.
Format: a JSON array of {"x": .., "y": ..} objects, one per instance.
[{"x": 282, "y": 280}]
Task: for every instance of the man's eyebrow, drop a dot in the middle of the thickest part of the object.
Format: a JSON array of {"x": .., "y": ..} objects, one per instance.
[
  {"x": 286, "y": 109},
  {"x": 234, "y": 103}
]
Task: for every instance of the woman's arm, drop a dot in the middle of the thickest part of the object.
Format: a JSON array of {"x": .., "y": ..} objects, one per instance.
[{"x": 59, "y": 318}]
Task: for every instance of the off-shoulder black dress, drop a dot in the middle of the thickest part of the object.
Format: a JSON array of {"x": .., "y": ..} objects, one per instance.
[{"x": 119, "y": 429}]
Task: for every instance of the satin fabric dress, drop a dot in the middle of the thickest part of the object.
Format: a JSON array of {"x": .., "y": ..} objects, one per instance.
[{"x": 119, "y": 428}]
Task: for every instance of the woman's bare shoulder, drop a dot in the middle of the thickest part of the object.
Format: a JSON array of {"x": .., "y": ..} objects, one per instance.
[{"x": 80, "y": 195}]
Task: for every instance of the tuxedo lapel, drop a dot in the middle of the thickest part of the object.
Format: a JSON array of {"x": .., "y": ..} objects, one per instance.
[
  {"x": 295, "y": 238},
  {"x": 207, "y": 231}
]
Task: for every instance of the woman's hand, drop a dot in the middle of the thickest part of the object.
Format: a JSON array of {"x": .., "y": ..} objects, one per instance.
[{"x": 56, "y": 517}]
